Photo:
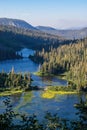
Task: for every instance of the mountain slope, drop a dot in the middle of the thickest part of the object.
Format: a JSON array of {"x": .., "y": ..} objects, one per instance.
[
  {"x": 69, "y": 34},
  {"x": 16, "y": 23},
  {"x": 14, "y": 37}
]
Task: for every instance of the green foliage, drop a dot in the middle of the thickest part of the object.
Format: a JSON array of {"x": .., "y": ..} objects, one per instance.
[
  {"x": 50, "y": 122},
  {"x": 16, "y": 81},
  {"x": 70, "y": 58},
  {"x": 7, "y": 117},
  {"x": 82, "y": 106},
  {"x": 13, "y": 39},
  {"x": 61, "y": 88},
  {"x": 8, "y": 54}
]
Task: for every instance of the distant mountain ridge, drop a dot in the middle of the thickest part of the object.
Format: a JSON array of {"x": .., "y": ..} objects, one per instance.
[
  {"x": 16, "y": 34},
  {"x": 16, "y": 23},
  {"x": 68, "y": 33},
  {"x": 46, "y": 28}
]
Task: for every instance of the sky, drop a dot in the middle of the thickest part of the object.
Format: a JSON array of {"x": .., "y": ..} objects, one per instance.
[{"x": 60, "y": 14}]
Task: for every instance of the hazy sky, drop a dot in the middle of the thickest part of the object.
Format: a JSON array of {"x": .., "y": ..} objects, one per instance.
[{"x": 55, "y": 13}]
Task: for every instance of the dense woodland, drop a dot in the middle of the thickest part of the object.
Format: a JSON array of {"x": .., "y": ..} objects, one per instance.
[
  {"x": 15, "y": 81},
  {"x": 56, "y": 56},
  {"x": 13, "y": 39},
  {"x": 71, "y": 59},
  {"x": 8, "y": 54}
]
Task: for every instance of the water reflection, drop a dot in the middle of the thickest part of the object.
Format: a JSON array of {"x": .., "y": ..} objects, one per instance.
[
  {"x": 26, "y": 52},
  {"x": 61, "y": 104},
  {"x": 24, "y": 100},
  {"x": 26, "y": 65},
  {"x": 32, "y": 102},
  {"x": 48, "y": 81}
]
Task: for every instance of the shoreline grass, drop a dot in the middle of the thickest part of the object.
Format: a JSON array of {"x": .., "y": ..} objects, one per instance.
[
  {"x": 38, "y": 73},
  {"x": 51, "y": 94},
  {"x": 10, "y": 92}
]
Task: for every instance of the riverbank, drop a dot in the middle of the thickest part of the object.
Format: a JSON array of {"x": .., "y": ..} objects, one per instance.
[
  {"x": 70, "y": 83},
  {"x": 38, "y": 73},
  {"x": 41, "y": 74},
  {"x": 11, "y": 92}
]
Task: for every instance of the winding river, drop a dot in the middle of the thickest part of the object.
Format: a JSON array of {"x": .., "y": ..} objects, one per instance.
[{"x": 32, "y": 102}]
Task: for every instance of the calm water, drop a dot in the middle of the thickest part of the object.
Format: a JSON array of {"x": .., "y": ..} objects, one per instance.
[{"x": 32, "y": 102}]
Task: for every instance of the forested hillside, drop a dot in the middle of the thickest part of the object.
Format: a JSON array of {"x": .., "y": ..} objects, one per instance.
[
  {"x": 13, "y": 39},
  {"x": 19, "y": 37},
  {"x": 66, "y": 58}
]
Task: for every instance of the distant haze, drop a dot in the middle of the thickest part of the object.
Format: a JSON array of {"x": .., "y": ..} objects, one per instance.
[
  {"x": 21, "y": 24},
  {"x": 60, "y": 14}
]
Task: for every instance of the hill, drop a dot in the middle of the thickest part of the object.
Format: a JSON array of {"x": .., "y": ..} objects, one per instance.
[
  {"x": 16, "y": 23},
  {"x": 13, "y": 39},
  {"x": 68, "y": 34},
  {"x": 16, "y": 34}
]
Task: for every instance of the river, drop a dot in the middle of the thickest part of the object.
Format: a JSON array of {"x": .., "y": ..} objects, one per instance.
[{"x": 32, "y": 102}]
